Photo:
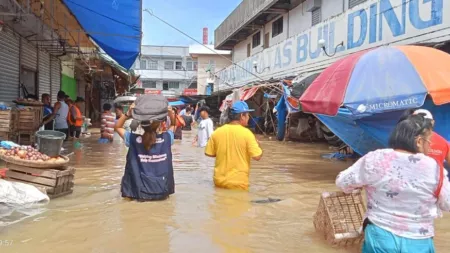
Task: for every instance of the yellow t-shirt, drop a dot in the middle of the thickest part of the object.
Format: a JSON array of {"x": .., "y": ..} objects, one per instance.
[{"x": 233, "y": 146}]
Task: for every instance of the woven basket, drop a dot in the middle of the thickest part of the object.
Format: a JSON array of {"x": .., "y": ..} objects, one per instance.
[
  {"x": 34, "y": 164},
  {"x": 339, "y": 218}
]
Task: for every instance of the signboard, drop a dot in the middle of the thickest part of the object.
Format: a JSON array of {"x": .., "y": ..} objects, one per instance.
[
  {"x": 151, "y": 91},
  {"x": 369, "y": 25},
  {"x": 190, "y": 92}
]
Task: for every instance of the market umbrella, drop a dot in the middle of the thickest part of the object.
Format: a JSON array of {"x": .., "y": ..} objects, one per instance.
[{"x": 380, "y": 80}]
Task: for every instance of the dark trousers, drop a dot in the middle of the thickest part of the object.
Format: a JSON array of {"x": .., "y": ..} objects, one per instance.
[
  {"x": 65, "y": 131},
  {"x": 74, "y": 131}
]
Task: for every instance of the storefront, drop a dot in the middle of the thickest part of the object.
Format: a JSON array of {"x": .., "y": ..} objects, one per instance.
[{"x": 22, "y": 63}]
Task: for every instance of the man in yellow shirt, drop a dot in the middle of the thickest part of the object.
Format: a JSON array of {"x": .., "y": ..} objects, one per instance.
[{"x": 233, "y": 145}]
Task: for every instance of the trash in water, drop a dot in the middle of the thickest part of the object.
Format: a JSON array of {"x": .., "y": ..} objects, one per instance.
[{"x": 263, "y": 201}]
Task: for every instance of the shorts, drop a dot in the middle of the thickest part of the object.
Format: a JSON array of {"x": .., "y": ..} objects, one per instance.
[
  {"x": 378, "y": 240},
  {"x": 64, "y": 131}
]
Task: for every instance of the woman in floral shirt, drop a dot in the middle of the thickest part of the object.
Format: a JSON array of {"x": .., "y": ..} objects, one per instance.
[{"x": 405, "y": 190}]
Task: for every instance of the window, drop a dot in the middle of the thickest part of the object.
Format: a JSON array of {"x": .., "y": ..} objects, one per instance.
[
  {"x": 316, "y": 16},
  {"x": 165, "y": 86},
  {"x": 153, "y": 65},
  {"x": 195, "y": 65},
  {"x": 178, "y": 65},
  {"x": 189, "y": 66},
  {"x": 149, "y": 84},
  {"x": 256, "y": 41},
  {"x": 168, "y": 65},
  {"x": 143, "y": 64},
  {"x": 174, "y": 85},
  {"x": 353, "y": 3},
  {"x": 277, "y": 27}
]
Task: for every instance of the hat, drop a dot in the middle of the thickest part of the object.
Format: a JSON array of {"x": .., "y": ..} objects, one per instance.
[
  {"x": 427, "y": 114},
  {"x": 79, "y": 99},
  {"x": 240, "y": 107},
  {"x": 150, "y": 107}
]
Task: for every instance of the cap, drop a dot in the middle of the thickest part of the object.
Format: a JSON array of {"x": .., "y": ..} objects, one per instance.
[
  {"x": 240, "y": 107},
  {"x": 426, "y": 114},
  {"x": 79, "y": 99},
  {"x": 150, "y": 107}
]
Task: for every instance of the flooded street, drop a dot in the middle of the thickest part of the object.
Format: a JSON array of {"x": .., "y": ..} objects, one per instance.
[{"x": 198, "y": 217}]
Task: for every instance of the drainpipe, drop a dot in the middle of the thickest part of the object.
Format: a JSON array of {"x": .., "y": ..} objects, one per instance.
[{"x": 343, "y": 6}]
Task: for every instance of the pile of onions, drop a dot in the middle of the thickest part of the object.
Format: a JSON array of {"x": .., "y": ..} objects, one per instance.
[{"x": 26, "y": 153}]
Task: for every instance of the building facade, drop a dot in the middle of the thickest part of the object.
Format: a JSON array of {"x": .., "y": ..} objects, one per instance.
[
  {"x": 279, "y": 38},
  {"x": 166, "y": 69},
  {"x": 209, "y": 62}
]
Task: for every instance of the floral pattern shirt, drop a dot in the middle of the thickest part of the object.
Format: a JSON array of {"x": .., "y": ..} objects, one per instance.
[{"x": 400, "y": 191}]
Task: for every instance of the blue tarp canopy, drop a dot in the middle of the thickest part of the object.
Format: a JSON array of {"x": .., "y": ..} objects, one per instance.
[
  {"x": 114, "y": 25},
  {"x": 367, "y": 133},
  {"x": 176, "y": 103}
]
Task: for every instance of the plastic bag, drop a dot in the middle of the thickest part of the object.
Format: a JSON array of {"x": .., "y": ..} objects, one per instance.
[{"x": 15, "y": 193}]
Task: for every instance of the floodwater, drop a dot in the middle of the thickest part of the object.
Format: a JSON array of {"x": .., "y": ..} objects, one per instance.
[{"x": 198, "y": 217}]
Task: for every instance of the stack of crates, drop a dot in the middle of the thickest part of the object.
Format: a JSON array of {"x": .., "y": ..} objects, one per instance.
[{"x": 8, "y": 125}]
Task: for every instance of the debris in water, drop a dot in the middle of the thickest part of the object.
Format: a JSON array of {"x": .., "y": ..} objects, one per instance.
[{"x": 263, "y": 201}]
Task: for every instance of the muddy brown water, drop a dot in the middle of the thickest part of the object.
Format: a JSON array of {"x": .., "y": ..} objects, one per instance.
[{"x": 198, "y": 217}]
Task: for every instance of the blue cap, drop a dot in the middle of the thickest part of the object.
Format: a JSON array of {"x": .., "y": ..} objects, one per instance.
[{"x": 240, "y": 107}]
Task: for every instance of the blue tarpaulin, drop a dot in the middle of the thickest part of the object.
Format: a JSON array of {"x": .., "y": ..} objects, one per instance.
[
  {"x": 365, "y": 134},
  {"x": 114, "y": 25},
  {"x": 176, "y": 103}
]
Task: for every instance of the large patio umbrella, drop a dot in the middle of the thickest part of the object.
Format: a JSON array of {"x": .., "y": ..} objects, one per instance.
[{"x": 384, "y": 79}]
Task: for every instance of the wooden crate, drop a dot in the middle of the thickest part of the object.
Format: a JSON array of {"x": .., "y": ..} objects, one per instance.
[
  {"x": 8, "y": 120},
  {"x": 30, "y": 118},
  {"x": 339, "y": 218},
  {"x": 56, "y": 182},
  {"x": 8, "y": 136},
  {"x": 26, "y": 138}
]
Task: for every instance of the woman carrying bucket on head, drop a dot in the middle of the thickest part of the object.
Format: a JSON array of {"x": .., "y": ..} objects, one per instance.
[{"x": 148, "y": 170}]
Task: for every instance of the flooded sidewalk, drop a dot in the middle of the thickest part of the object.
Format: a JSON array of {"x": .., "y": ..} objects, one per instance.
[{"x": 198, "y": 217}]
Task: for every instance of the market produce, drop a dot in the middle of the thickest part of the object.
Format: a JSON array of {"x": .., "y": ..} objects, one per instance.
[{"x": 30, "y": 154}]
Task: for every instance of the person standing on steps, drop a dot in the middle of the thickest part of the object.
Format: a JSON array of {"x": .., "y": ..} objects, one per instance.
[
  {"x": 60, "y": 113},
  {"x": 234, "y": 146}
]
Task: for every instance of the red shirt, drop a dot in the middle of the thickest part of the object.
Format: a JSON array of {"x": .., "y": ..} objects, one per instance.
[{"x": 439, "y": 148}]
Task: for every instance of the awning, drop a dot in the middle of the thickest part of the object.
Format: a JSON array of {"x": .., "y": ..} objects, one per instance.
[
  {"x": 176, "y": 103},
  {"x": 114, "y": 25}
]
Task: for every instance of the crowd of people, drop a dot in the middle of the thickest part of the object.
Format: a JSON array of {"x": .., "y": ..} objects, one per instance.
[
  {"x": 65, "y": 116},
  {"x": 407, "y": 185}
]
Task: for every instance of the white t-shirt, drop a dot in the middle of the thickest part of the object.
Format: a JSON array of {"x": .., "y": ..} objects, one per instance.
[{"x": 205, "y": 130}]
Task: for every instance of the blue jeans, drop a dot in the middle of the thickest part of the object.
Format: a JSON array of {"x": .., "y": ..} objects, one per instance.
[{"x": 378, "y": 240}]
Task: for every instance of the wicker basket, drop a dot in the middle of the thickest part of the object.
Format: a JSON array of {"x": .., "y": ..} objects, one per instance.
[
  {"x": 35, "y": 164},
  {"x": 339, "y": 218}
]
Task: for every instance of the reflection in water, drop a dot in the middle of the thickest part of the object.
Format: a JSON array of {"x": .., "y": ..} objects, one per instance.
[{"x": 198, "y": 217}]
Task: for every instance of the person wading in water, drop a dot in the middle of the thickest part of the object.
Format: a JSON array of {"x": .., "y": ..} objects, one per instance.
[
  {"x": 233, "y": 145},
  {"x": 149, "y": 169},
  {"x": 60, "y": 113}
]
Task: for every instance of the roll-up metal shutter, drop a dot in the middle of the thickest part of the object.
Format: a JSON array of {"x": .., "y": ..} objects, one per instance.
[
  {"x": 44, "y": 73},
  {"x": 9, "y": 65},
  {"x": 29, "y": 55},
  {"x": 28, "y": 60},
  {"x": 55, "y": 72},
  {"x": 353, "y": 3}
]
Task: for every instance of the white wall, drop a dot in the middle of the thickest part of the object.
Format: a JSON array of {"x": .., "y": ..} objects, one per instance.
[{"x": 295, "y": 22}]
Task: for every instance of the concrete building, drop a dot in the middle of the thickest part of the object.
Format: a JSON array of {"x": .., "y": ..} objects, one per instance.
[
  {"x": 209, "y": 62},
  {"x": 279, "y": 38},
  {"x": 166, "y": 69}
]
